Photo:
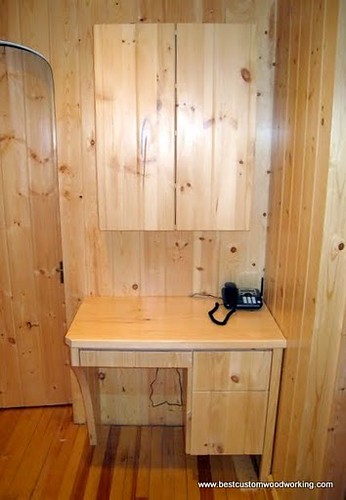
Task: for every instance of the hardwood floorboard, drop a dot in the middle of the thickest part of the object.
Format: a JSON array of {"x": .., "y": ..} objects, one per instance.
[
  {"x": 8, "y": 421},
  {"x": 96, "y": 466},
  {"x": 105, "y": 483},
  {"x": 144, "y": 461},
  {"x": 17, "y": 446},
  {"x": 39, "y": 444},
  {"x": 44, "y": 456},
  {"x": 54, "y": 469}
]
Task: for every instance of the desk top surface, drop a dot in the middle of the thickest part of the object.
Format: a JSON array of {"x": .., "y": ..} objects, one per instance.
[{"x": 168, "y": 323}]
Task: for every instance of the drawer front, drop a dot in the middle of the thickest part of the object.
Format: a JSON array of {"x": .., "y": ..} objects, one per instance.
[
  {"x": 136, "y": 359},
  {"x": 231, "y": 371},
  {"x": 230, "y": 423}
]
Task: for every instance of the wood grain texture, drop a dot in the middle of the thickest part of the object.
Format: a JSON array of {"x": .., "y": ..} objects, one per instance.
[
  {"x": 333, "y": 288},
  {"x": 216, "y": 98},
  {"x": 327, "y": 345},
  {"x": 46, "y": 456},
  {"x": 232, "y": 371},
  {"x": 135, "y": 109},
  {"x": 306, "y": 291},
  {"x": 145, "y": 332},
  {"x": 137, "y": 263},
  {"x": 166, "y": 324},
  {"x": 32, "y": 297},
  {"x": 334, "y": 460},
  {"x": 70, "y": 49},
  {"x": 142, "y": 184},
  {"x": 228, "y": 422}
]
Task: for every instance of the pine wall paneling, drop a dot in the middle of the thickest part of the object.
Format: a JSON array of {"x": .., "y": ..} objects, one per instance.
[
  {"x": 326, "y": 381},
  {"x": 333, "y": 287},
  {"x": 305, "y": 265},
  {"x": 157, "y": 263},
  {"x": 184, "y": 262},
  {"x": 334, "y": 462}
]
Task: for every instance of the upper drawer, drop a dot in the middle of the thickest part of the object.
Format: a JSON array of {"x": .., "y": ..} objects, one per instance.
[
  {"x": 231, "y": 371},
  {"x": 136, "y": 359}
]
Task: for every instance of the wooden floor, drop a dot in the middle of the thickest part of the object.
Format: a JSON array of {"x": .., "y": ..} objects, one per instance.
[{"x": 43, "y": 455}]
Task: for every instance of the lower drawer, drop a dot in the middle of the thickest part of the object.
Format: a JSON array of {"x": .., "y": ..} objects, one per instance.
[{"x": 230, "y": 423}]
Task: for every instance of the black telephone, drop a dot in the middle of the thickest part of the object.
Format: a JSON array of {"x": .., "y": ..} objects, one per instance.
[
  {"x": 241, "y": 298},
  {"x": 237, "y": 298}
]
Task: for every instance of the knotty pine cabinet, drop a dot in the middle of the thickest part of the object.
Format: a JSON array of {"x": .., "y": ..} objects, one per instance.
[
  {"x": 175, "y": 123},
  {"x": 229, "y": 402}
]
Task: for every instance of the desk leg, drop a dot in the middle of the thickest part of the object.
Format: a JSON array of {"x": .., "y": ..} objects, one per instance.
[
  {"x": 266, "y": 460},
  {"x": 188, "y": 409},
  {"x": 88, "y": 383}
]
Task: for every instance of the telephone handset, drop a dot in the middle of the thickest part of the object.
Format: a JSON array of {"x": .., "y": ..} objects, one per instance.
[{"x": 237, "y": 298}]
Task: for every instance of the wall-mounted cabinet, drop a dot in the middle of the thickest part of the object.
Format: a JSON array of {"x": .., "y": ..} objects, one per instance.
[{"x": 175, "y": 123}]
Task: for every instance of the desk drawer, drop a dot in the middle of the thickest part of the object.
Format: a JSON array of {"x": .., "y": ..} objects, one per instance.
[
  {"x": 136, "y": 359},
  {"x": 231, "y": 371},
  {"x": 230, "y": 423}
]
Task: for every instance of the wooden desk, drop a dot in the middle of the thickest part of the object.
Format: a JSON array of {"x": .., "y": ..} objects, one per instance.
[{"x": 232, "y": 372}]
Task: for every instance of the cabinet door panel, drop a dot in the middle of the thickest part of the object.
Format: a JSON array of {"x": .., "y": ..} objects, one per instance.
[
  {"x": 232, "y": 371},
  {"x": 216, "y": 97},
  {"x": 134, "y": 89},
  {"x": 228, "y": 422}
]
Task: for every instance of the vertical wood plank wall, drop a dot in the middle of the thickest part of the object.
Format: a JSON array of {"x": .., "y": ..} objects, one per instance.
[
  {"x": 180, "y": 263},
  {"x": 305, "y": 248},
  {"x": 133, "y": 263},
  {"x": 137, "y": 262}
]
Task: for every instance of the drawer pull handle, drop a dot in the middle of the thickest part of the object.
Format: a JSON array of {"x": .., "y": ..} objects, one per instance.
[{"x": 235, "y": 379}]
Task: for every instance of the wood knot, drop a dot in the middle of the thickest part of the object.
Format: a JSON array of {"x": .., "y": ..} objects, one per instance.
[
  {"x": 233, "y": 249},
  {"x": 246, "y": 75},
  {"x": 101, "y": 375},
  {"x": 209, "y": 123},
  {"x": 219, "y": 448},
  {"x": 135, "y": 286},
  {"x": 235, "y": 379},
  {"x": 63, "y": 169},
  {"x": 31, "y": 325}
]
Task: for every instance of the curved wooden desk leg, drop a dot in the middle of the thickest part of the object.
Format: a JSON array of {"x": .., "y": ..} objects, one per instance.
[{"x": 88, "y": 381}]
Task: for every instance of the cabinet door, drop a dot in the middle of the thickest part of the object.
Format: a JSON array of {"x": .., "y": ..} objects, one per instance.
[
  {"x": 134, "y": 89},
  {"x": 216, "y": 97},
  {"x": 225, "y": 422}
]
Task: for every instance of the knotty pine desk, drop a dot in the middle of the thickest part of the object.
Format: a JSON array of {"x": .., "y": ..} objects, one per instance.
[{"x": 231, "y": 373}]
